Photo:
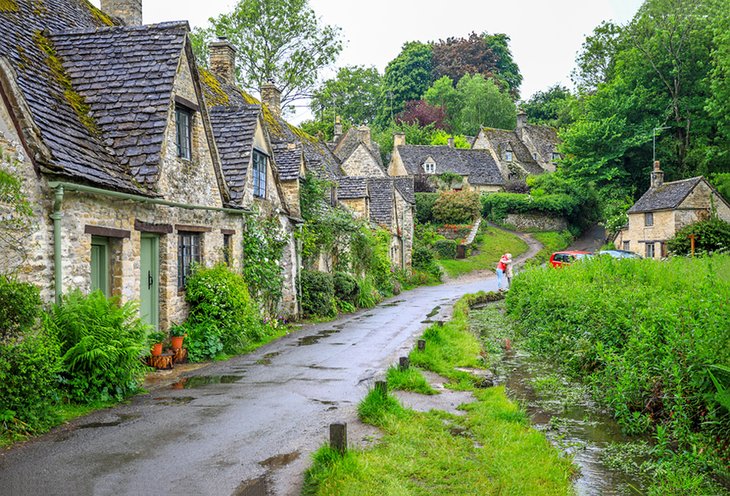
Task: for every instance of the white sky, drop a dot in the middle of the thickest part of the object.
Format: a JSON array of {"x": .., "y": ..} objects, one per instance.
[{"x": 545, "y": 35}]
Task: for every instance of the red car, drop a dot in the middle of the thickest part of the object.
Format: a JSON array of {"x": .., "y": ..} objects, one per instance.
[{"x": 560, "y": 258}]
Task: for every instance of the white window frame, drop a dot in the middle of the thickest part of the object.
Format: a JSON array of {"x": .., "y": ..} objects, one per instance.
[{"x": 259, "y": 162}]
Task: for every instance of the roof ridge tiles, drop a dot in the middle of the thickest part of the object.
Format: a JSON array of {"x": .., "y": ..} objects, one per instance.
[{"x": 106, "y": 29}]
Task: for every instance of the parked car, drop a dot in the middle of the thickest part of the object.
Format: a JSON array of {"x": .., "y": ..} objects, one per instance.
[
  {"x": 620, "y": 254},
  {"x": 560, "y": 258}
]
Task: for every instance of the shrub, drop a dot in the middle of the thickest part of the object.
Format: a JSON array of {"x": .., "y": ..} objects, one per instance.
[
  {"x": 445, "y": 248},
  {"x": 20, "y": 307},
  {"x": 424, "y": 207},
  {"x": 368, "y": 295},
  {"x": 423, "y": 260},
  {"x": 223, "y": 317},
  {"x": 711, "y": 235},
  {"x": 318, "y": 294},
  {"x": 516, "y": 186},
  {"x": 456, "y": 207},
  {"x": 101, "y": 344},
  {"x": 346, "y": 288}
]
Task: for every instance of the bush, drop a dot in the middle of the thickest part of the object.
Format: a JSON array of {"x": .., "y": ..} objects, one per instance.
[
  {"x": 101, "y": 344},
  {"x": 445, "y": 248},
  {"x": 346, "y": 288},
  {"x": 223, "y": 317},
  {"x": 20, "y": 307},
  {"x": 456, "y": 207},
  {"x": 712, "y": 235},
  {"x": 424, "y": 207},
  {"x": 423, "y": 260},
  {"x": 368, "y": 295},
  {"x": 318, "y": 294}
]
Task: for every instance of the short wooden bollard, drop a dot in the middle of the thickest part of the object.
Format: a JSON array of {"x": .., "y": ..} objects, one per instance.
[
  {"x": 440, "y": 323},
  {"x": 421, "y": 344},
  {"x": 404, "y": 363},
  {"x": 382, "y": 387},
  {"x": 338, "y": 437}
]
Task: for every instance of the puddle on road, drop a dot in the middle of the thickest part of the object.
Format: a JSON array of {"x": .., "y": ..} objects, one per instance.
[
  {"x": 279, "y": 461},
  {"x": 310, "y": 340},
  {"x": 393, "y": 303},
  {"x": 266, "y": 359},
  {"x": 120, "y": 419},
  {"x": 172, "y": 401},
  {"x": 433, "y": 312},
  {"x": 253, "y": 487},
  {"x": 322, "y": 367},
  {"x": 205, "y": 380}
]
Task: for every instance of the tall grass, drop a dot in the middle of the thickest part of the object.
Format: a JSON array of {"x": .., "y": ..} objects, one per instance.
[{"x": 650, "y": 337}]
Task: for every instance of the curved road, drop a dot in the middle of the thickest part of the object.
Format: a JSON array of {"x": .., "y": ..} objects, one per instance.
[{"x": 246, "y": 426}]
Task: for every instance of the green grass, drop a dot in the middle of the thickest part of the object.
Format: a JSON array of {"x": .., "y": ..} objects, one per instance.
[
  {"x": 551, "y": 241},
  {"x": 489, "y": 450},
  {"x": 410, "y": 379},
  {"x": 495, "y": 243}
]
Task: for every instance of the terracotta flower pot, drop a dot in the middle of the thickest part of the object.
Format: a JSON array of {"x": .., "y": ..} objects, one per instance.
[
  {"x": 156, "y": 349},
  {"x": 176, "y": 342}
]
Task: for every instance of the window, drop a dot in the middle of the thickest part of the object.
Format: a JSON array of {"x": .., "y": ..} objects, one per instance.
[
  {"x": 627, "y": 245},
  {"x": 227, "y": 247},
  {"x": 429, "y": 167},
  {"x": 100, "y": 264},
  {"x": 188, "y": 253},
  {"x": 650, "y": 250},
  {"x": 183, "y": 122},
  {"x": 649, "y": 219},
  {"x": 508, "y": 155},
  {"x": 534, "y": 156},
  {"x": 259, "y": 174},
  {"x": 555, "y": 156}
]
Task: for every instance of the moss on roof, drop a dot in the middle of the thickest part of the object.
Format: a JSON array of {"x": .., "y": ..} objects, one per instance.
[
  {"x": 215, "y": 94},
  {"x": 9, "y": 6},
  {"x": 99, "y": 15}
]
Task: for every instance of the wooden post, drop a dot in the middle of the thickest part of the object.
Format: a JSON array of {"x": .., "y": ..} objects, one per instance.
[
  {"x": 404, "y": 363},
  {"x": 382, "y": 388},
  {"x": 421, "y": 344},
  {"x": 692, "y": 244},
  {"x": 440, "y": 323},
  {"x": 338, "y": 437}
]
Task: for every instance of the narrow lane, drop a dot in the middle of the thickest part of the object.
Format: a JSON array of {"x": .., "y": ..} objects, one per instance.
[{"x": 245, "y": 426}]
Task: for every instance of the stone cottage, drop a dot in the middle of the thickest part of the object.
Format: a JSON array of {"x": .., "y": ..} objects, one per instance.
[
  {"x": 106, "y": 123},
  {"x": 665, "y": 209}
]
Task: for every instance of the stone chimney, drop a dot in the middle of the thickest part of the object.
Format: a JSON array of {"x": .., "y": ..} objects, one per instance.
[
  {"x": 129, "y": 11},
  {"x": 521, "y": 122},
  {"x": 271, "y": 96},
  {"x": 223, "y": 59},
  {"x": 451, "y": 142},
  {"x": 399, "y": 139},
  {"x": 657, "y": 175},
  {"x": 338, "y": 128},
  {"x": 363, "y": 133}
]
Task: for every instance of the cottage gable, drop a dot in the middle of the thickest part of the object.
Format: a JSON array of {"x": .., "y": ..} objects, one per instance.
[
  {"x": 359, "y": 155},
  {"x": 508, "y": 150}
]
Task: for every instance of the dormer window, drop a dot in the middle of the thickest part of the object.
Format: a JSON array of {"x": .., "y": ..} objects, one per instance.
[
  {"x": 556, "y": 156},
  {"x": 429, "y": 166},
  {"x": 534, "y": 156},
  {"x": 259, "y": 174},
  {"x": 508, "y": 155},
  {"x": 184, "y": 138}
]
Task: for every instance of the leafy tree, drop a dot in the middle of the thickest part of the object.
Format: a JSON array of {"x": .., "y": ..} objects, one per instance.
[
  {"x": 406, "y": 78},
  {"x": 711, "y": 235},
  {"x": 422, "y": 113},
  {"x": 718, "y": 105},
  {"x": 483, "y": 105},
  {"x": 279, "y": 41},
  {"x": 552, "y": 107},
  {"x": 353, "y": 94},
  {"x": 443, "y": 94},
  {"x": 597, "y": 56},
  {"x": 440, "y": 137},
  {"x": 415, "y": 135},
  {"x": 507, "y": 69}
]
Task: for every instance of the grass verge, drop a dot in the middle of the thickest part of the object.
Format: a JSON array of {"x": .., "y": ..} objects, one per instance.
[
  {"x": 495, "y": 243},
  {"x": 551, "y": 241},
  {"x": 489, "y": 450}
]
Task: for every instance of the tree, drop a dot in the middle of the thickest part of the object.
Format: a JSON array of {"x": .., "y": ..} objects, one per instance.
[
  {"x": 443, "y": 94},
  {"x": 595, "y": 61},
  {"x": 507, "y": 69},
  {"x": 552, "y": 107},
  {"x": 483, "y": 104},
  {"x": 279, "y": 41},
  {"x": 406, "y": 78},
  {"x": 422, "y": 113},
  {"x": 353, "y": 94}
]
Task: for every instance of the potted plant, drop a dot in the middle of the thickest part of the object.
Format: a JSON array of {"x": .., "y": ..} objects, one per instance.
[
  {"x": 177, "y": 335},
  {"x": 155, "y": 339}
]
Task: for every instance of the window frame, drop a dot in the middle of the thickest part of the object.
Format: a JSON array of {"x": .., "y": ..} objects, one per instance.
[
  {"x": 626, "y": 246},
  {"x": 189, "y": 253},
  {"x": 650, "y": 250},
  {"x": 102, "y": 262},
  {"x": 648, "y": 219},
  {"x": 429, "y": 167},
  {"x": 508, "y": 156},
  {"x": 227, "y": 248},
  {"x": 259, "y": 160},
  {"x": 184, "y": 133}
]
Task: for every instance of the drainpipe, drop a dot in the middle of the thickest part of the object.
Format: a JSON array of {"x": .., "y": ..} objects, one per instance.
[
  {"x": 57, "y": 216},
  {"x": 299, "y": 271}
]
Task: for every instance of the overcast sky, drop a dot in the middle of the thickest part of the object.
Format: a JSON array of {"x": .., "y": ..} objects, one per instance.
[{"x": 546, "y": 35}]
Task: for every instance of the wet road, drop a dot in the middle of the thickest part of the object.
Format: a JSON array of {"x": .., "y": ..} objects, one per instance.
[{"x": 246, "y": 426}]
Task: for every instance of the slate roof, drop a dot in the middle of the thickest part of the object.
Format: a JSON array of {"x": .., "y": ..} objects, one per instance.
[
  {"x": 352, "y": 188},
  {"x": 126, "y": 76},
  {"x": 503, "y": 139},
  {"x": 666, "y": 197},
  {"x": 288, "y": 160},
  {"x": 78, "y": 149},
  {"x": 349, "y": 142},
  {"x": 404, "y": 185},
  {"x": 233, "y": 129},
  {"x": 478, "y": 165},
  {"x": 544, "y": 139},
  {"x": 380, "y": 191}
]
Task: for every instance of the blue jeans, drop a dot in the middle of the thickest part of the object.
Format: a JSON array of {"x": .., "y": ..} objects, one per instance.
[{"x": 500, "y": 279}]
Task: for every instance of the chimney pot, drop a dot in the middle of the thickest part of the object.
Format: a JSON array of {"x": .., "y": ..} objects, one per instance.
[
  {"x": 364, "y": 133},
  {"x": 451, "y": 142},
  {"x": 223, "y": 59},
  {"x": 128, "y": 11},
  {"x": 271, "y": 96},
  {"x": 657, "y": 175},
  {"x": 338, "y": 128}
]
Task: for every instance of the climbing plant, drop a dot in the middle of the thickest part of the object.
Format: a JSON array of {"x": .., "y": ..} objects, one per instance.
[
  {"x": 263, "y": 246},
  {"x": 16, "y": 213}
]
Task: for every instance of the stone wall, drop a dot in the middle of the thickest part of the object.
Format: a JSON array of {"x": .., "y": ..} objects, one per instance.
[
  {"x": 362, "y": 163},
  {"x": 396, "y": 167},
  {"x": 358, "y": 206},
  {"x": 540, "y": 222}
]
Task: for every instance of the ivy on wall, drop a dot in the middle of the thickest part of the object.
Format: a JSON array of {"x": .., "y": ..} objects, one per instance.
[{"x": 16, "y": 214}]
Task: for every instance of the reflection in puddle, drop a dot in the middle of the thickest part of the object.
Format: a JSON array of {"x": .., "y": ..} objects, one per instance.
[
  {"x": 172, "y": 401},
  {"x": 205, "y": 380},
  {"x": 279, "y": 461},
  {"x": 393, "y": 303},
  {"x": 253, "y": 487},
  {"x": 266, "y": 359},
  {"x": 310, "y": 340},
  {"x": 120, "y": 419}
]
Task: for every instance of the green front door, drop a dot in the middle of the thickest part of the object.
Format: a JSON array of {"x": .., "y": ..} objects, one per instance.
[
  {"x": 100, "y": 264},
  {"x": 149, "y": 290}
]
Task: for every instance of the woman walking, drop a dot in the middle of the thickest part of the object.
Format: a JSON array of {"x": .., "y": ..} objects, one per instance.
[{"x": 502, "y": 271}]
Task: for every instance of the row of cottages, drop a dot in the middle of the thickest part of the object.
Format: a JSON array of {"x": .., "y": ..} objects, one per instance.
[
  {"x": 139, "y": 165},
  {"x": 496, "y": 156},
  {"x": 664, "y": 209}
]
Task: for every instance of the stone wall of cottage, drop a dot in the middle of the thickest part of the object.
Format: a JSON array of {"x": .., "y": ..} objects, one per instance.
[
  {"x": 485, "y": 188},
  {"x": 540, "y": 222},
  {"x": 405, "y": 230},
  {"x": 638, "y": 234},
  {"x": 358, "y": 206},
  {"x": 396, "y": 167},
  {"x": 290, "y": 190},
  {"x": 361, "y": 163},
  {"x": 699, "y": 204},
  {"x": 289, "y": 306}
]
